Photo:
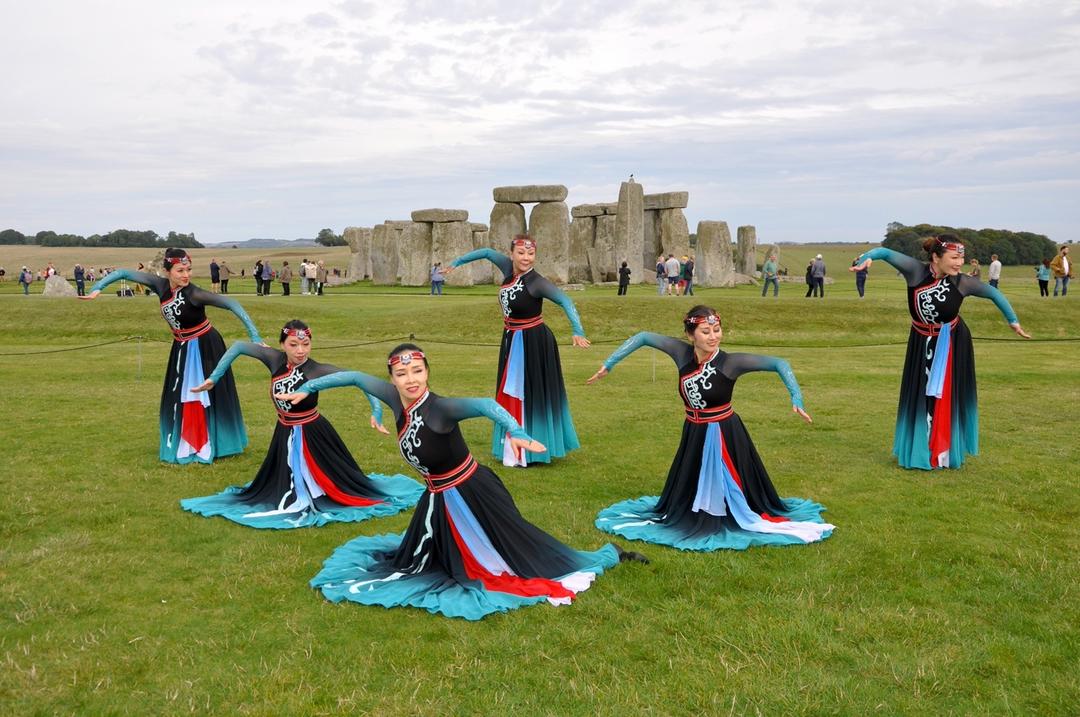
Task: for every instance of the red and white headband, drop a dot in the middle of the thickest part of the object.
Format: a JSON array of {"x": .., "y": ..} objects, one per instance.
[
  {"x": 951, "y": 246},
  {"x": 170, "y": 262},
  {"x": 405, "y": 358},
  {"x": 710, "y": 319},
  {"x": 298, "y": 333},
  {"x": 526, "y": 242}
]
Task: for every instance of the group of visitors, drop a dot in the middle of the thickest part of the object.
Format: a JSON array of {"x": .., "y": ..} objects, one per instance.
[{"x": 674, "y": 277}]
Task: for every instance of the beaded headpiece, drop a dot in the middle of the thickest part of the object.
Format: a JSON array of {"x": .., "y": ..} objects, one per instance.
[
  {"x": 170, "y": 262},
  {"x": 298, "y": 333},
  {"x": 950, "y": 245},
  {"x": 405, "y": 358},
  {"x": 523, "y": 240},
  {"x": 710, "y": 319}
]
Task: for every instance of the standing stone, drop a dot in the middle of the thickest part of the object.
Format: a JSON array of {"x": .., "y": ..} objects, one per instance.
[
  {"x": 507, "y": 221},
  {"x": 57, "y": 285},
  {"x": 549, "y": 225},
  {"x": 602, "y": 255},
  {"x": 450, "y": 240},
  {"x": 746, "y": 256},
  {"x": 384, "y": 255},
  {"x": 531, "y": 193},
  {"x": 712, "y": 257},
  {"x": 674, "y": 233},
  {"x": 630, "y": 228},
  {"x": 481, "y": 270},
  {"x": 651, "y": 242},
  {"x": 582, "y": 238},
  {"x": 415, "y": 254},
  {"x": 359, "y": 240}
]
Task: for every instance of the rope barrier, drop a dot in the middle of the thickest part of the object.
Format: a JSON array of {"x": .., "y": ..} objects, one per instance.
[{"x": 450, "y": 342}]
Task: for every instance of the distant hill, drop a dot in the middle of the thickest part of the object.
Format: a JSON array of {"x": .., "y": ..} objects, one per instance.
[{"x": 266, "y": 243}]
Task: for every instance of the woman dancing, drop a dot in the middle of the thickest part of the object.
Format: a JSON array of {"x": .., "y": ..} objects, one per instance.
[
  {"x": 937, "y": 420},
  {"x": 467, "y": 552},
  {"x": 194, "y": 426},
  {"x": 308, "y": 476},
  {"x": 718, "y": 493},
  {"x": 529, "y": 382}
]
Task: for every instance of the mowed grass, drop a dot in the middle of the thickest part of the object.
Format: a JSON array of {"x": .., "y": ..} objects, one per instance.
[{"x": 939, "y": 593}]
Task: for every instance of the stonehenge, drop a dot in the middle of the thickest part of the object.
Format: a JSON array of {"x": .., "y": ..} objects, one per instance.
[{"x": 585, "y": 243}]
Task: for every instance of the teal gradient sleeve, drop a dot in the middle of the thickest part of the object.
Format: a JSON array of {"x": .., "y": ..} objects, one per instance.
[
  {"x": 497, "y": 258},
  {"x": 458, "y": 409},
  {"x": 672, "y": 347}
]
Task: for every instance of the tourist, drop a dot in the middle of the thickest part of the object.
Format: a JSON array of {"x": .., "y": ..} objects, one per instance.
[
  {"x": 321, "y": 275},
  {"x": 673, "y": 268},
  {"x": 194, "y": 426},
  {"x": 285, "y": 277},
  {"x": 303, "y": 277},
  {"x": 817, "y": 273},
  {"x": 661, "y": 275},
  {"x": 225, "y": 272},
  {"x": 769, "y": 274},
  {"x": 267, "y": 277},
  {"x": 718, "y": 494},
  {"x": 467, "y": 552},
  {"x": 624, "y": 279},
  {"x": 26, "y": 277},
  {"x": 257, "y": 273},
  {"x": 215, "y": 276},
  {"x": 861, "y": 271},
  {"x": 686, "y": 287},
  {"x": 308, "y": 477},
  {"x": 975, "y": 270},
  {"x": 1061, "y": 267},
  {"x": 437, "y": 279},
  {"x": 937, "y": 421},
  {"x": 312, "y": 273},
  {"x": 530, "y": 381},
  {"x": 994, "y": 273},
  {"x": 1042, "y": 275}
]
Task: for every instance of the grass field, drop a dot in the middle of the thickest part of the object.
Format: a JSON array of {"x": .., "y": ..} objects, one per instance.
[{"x": 939, "y": 593}]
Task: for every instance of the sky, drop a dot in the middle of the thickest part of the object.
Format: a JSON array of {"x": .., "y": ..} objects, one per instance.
[{"x": 812, "y": 120}]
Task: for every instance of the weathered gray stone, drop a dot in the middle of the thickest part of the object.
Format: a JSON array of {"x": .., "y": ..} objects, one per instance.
[
  {"x": 549, "y": 225},
  {"x": 57, "y": 285},
  {"x": 587, "y": 210},
  {"x": 527, "y": 194},
  {"x": 667, "y": 200},
  {"x": 712, "y": 256},
  {"x": 384, "y": 255},
  {"x": 448, "y": 241},
  {"x": 440, "y": 215},
  {"x": 610, "y": 207},
  {"x": 601, "y": 265},
  {"x": 415, "y": 254},
  {"x": 477, "y": 227},
  {"x": 359, "y": 240},
  {"x": 507, "y": 221},
  {"x": 582, "y": 238},
  {"x": 674, "y": 233},
  {"x": 746, "y": 255},
  {"x": 482, "y": 270},
  {"x": 651, "y": 241},
  {"x": 605, "y": 233},
  {"x": 630, "y": 228}
]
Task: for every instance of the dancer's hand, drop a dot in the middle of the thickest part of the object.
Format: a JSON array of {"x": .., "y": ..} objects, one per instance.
[
  {"x": 801, "y": 413},
  {"x": 378, "y": 426},
  {"x": 597, "y": 376},
  {"x": 91, "y": 296},
  {"x": 581, "y": 342},
  {"x": 294, "y": 397},
  {"x": 448, "y": 270},
  {"x": 204, "y": 386},
  {"x": 529, "y": 445},
  {"x": 1019, "y": 330}
]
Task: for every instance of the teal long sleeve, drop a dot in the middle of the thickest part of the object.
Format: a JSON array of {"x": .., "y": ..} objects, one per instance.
[
  {"x": 459, "y": 409},
  {"x": 911, "y": 268},
  {"x": 985, "y": 291},
  {"x": 234, "y": 306},
  {"x": 497, "y": 258},
  {"x": 139, "y": 277},
  {"x": 237, "y": 349},
  {"x": 645, "y": 338},
  {"x": 560, "y": 298},
  {"x": 374, "y": 389},
  {"x": 783, "y": 368}
]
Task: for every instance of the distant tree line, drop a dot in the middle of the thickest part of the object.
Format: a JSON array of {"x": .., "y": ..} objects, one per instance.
[
  {"x": 115, "y": 238},
  {"x": 1011, "y": 247}
]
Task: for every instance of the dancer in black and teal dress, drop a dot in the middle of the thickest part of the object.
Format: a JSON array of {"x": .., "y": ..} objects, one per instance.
[
  {"x": 194, "y": 427},
  {"x": 937, "y": 420},
  {"x": 718, "y": 494},
  {"x": 308, "y": 477},
  {"x": 529, "y": 382},
  {"x": 467, "y": 552}
]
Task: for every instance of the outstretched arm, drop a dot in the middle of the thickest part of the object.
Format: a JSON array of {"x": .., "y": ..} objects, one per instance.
[
  {"x": 370, "y": 385},
  {"x": 458, "y": 409},
  {"x": 674, "y": 348},
  {"x": 911, "y": 268},
  {"x": 970, "y": 286},
  {"x": 207, "y": 298},
  {"x": 263, "y": 353},
  {"x": 736, "y": 365},
  {"x": 156, "y": 283},
  {"x": 545, "y": 289},
  {"x": 498, "y": 259}
]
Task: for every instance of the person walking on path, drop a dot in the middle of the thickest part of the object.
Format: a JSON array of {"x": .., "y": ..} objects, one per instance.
[
  {"x": 688, "y": 276},
  {"x": 226, "y": 272},
  {"x": 302, "y": 273},
  {"x": 817, "y": 273},
  {"x": 437, "y": 279},
  {"x": 673, "y": 269},
  {"x": 769, "y": 274},
  {"x": 80, "y": 280},
  {"x": 267, "y": 277},
  {"x": 312, "y": 273},
  {"x": 1062, "y": 270},
  {"x": 661, "y": 275},
  {"x": 285, "y": 277},
  {"x": 809, "y": 278},
  {"x": 994, "y": 274},
  {"x": 25, "y": 277},
  {"x": 860, "y": 276},
  {"x": 321, "y": 275},
  {"x": 937, "y": 419},
  {"x": 624, "y": 279},
  {"x": 1042, "y": 273},
  {"x": 215, "y": 276}
]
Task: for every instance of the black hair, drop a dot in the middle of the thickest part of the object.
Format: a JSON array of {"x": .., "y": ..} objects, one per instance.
[
  {"x": 172, "y": 256},
  {"x": 295, "y": 324},
  {"x": 699, "y": 310},
  {"x": 400, "y": 348},
  {"x": 935, "y": 246}
]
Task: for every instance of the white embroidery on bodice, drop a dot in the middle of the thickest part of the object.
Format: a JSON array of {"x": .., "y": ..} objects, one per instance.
[
  {"x": 409, "y": 440},
  {"x": 694, "y": 384},
  {"x": 927, "y": 299},
  {"x": 508, "y": 294},
  {"x": 171, "y": 310},
  {"x": 286, "y": 384}
]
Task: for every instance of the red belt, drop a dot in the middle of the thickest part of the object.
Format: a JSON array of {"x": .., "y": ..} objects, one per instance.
[
  {"x": 438, "y": 482},
  {"x": 518, "y": 324},
  {"x": 709, "y": 415},
  {"x": 193, "y": 333},
  {"x": 932, "y": 329},
  {"x": 297, "y": 419}
]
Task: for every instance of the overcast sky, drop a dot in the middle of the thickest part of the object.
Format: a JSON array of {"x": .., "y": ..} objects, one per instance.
[{"x": 813, "y": 121}]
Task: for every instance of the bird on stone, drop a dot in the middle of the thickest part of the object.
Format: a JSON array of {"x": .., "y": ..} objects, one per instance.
[{"x": 631, "y": 178}]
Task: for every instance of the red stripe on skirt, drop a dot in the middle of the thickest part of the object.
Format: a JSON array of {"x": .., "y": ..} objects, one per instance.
[
  {"x": 513, "y": 406},
  {"x": 738, "y": 481},
  {"x": 328, "y": 485},
  {"x": 193, "y": 425},
  {"x": 506, "y": 583},
  {"x": 941, "y": 430}
]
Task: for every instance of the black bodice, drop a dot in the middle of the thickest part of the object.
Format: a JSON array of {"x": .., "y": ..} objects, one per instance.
[
  {"x": 179, "y": 308},
  {"x": 704, "y": 385},
  {"x": 428, "y": 441},
  {"x": 935, "y": 300},
  {"x": 516, "y": 298}
]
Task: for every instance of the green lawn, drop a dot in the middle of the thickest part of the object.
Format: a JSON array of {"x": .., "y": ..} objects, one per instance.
[{"x": 939, "y": 593}]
